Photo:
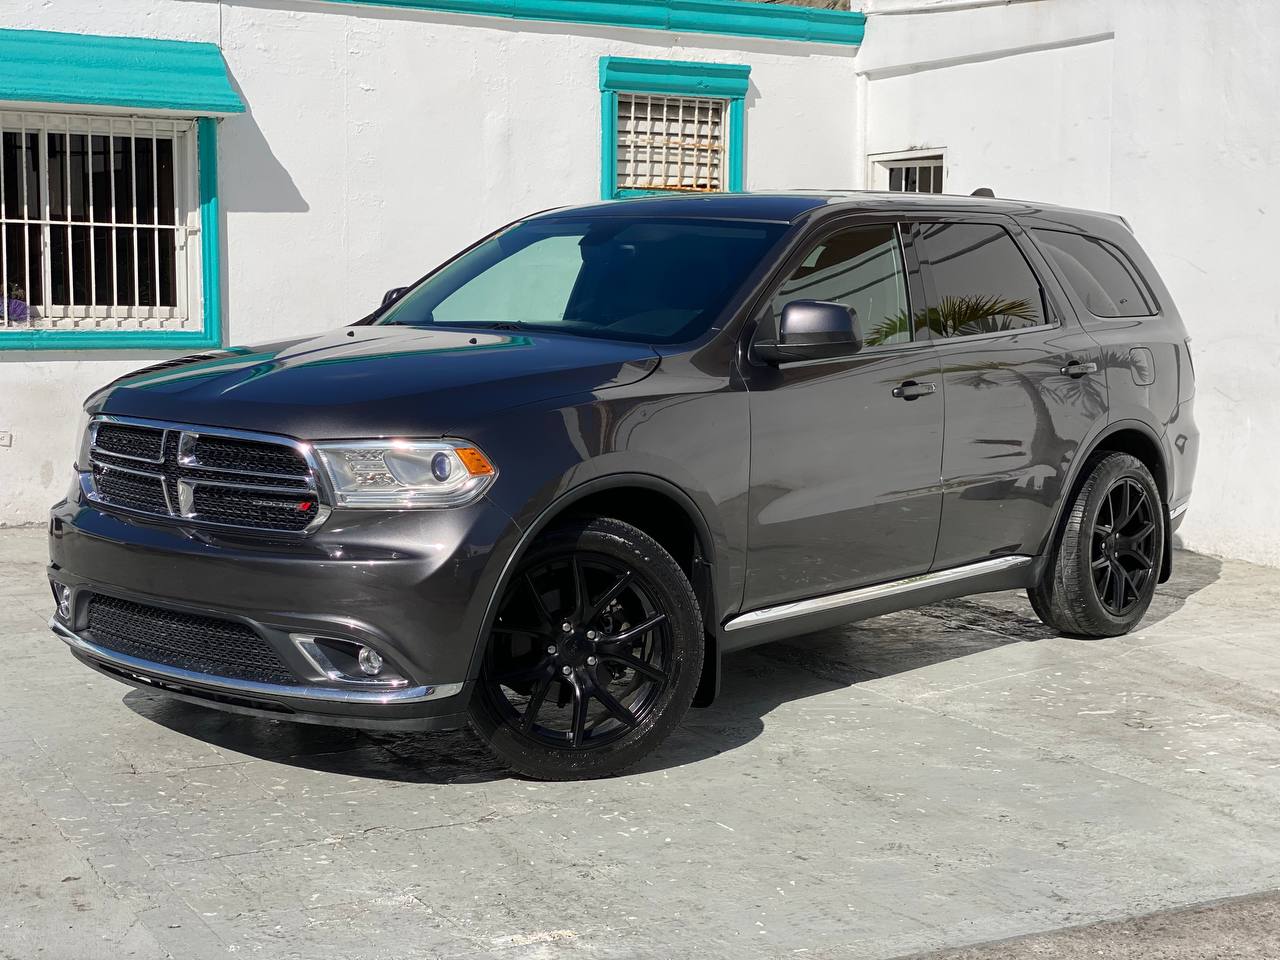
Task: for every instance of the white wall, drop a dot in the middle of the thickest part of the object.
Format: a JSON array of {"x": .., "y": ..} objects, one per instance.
[
  {"x": 1162, "y": 110},
  {"x": 380, "y": 140}
]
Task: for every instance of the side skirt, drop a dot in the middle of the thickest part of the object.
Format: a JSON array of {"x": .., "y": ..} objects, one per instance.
[{"x": 819, "y": 613}]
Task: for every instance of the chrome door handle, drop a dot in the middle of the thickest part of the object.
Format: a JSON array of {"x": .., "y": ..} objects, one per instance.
[
  {"x": 909, "y": 390},
  {"x": 1077, "y": 369}
]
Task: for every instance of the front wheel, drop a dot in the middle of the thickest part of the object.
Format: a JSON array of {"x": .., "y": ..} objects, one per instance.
[
  {"x": 594, "y": 656},
  {"x": 1103, "y": 571}
]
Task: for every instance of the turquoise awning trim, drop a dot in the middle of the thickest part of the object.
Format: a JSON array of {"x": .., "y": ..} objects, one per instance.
[
  {"x": 171, "y": 76},
  {"x": 734, "y": 18}
]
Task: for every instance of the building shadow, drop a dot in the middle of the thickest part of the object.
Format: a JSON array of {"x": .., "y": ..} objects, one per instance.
[{"x": 755, "y": 683}]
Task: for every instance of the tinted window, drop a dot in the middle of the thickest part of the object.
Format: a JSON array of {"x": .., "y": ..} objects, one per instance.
[
  {"x": 653, "y": 281},
  {"x": 860, "y": 268},
  {"x": 982, "y": 282},
  {"x": 1098, "y": 272}
]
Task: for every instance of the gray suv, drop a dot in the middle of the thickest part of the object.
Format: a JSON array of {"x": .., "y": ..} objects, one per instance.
[{"x": 546, "y": 488}]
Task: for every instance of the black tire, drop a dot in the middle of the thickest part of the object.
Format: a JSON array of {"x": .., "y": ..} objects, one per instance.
[
  {"x": 1106, "y": 562},
  {"x": 607, "y": 691}
]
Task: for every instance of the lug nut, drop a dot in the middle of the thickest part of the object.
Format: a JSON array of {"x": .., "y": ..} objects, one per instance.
[
  {"x": 551, "y": 648},
  {"x": 566, "y": 670},
  {"x": 591, "y": 661},
  {"x": 567, "y": 627},
  {"x": 591, "y": 634}
]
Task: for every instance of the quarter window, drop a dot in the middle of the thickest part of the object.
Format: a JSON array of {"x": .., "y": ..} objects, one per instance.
[
  {"x": 1101, "y": 276},
  {"x": 982, "y": 283},
  {"x": 96, "y": 215},
  {"x": 860, "y": 268}
]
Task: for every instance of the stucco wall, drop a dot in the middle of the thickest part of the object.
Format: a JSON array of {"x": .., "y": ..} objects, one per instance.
[
  {"x": 1160, "y": 110},
  {"x": 380, "y": 140}
]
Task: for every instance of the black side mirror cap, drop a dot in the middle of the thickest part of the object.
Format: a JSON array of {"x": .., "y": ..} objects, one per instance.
[
  {"x": 812, "y": 330},
  {"x": 392, "y": 295}
]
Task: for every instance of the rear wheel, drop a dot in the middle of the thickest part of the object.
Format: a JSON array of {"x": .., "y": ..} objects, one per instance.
[
  {"x": 1104, "y": 567},
  {"x": 594, "y": 656}
]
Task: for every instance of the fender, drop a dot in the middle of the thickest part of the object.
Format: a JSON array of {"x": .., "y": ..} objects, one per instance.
[
  {"x": 1077, "y": 466},
  {"x": 711, "y": 665}
]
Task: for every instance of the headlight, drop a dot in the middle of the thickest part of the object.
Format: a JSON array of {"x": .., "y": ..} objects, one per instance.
[{"x": 397, "y": 474}]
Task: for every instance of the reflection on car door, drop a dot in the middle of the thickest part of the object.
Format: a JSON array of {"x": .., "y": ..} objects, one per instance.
[
  {"x": 1022, "y": 388},
  {"x": 844, "y": 473}
]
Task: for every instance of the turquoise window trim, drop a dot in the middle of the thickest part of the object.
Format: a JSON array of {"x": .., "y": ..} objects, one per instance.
[
  {"x": 683, "y": 78},
  {"x": 210, "y": 332},
  {"x": 735, "y": 18},
  {"x": 134, "y": 73}
]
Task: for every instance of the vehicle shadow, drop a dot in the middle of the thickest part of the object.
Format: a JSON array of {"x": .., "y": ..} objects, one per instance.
[{"x": 755, "y": 683}]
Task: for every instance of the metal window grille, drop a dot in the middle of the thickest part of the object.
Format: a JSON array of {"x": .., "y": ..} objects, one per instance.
[
  {"x": 916, "y": 175},
  {"x": 671, "y": 143},
  {"x": 97, "y": 216}
]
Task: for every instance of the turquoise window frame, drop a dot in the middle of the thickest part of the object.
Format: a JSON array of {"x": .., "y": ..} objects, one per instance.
[
  {"x": 724, "y": 81},
  {"x": 112, "y": 76},
  {"x": 210, "y": 332}
]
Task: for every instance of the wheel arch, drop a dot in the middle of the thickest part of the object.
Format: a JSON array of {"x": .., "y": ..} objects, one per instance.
[
  {"x": 1140, "y": 441},
  {"x": 660, "y": 509}
]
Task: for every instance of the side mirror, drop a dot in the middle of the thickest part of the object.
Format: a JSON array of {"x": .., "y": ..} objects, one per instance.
[
  {"x": 812, "y": 330},
  {"x": 392, "y": 295}
]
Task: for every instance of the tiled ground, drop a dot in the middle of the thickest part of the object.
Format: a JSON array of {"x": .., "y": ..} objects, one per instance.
[{"x": 928, "y": 779}]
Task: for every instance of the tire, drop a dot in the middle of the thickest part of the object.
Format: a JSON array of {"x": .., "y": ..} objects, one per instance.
[
  {"x": 1104, "y": 567},
  {"x": 599, "y": 633}
]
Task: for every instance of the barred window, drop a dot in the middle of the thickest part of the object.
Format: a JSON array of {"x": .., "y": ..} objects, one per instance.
[
  {"x": 97, "y": 219},
  {"x": 671, "y": 143},
  {"x": 911, "y": 172}
]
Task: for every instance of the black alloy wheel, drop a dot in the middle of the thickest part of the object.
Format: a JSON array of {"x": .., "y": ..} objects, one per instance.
[
  {"x": 1124, "y": 538},
  {"x": 592, "y": 651},
  {"x": 1105, "y": 564}
]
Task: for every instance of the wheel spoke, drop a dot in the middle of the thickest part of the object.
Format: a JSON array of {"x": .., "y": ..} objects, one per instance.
[
  {"x": 1100, "y": 563},
  {"x": 1118, "y": 581},
  {"x": 636, "y": 632},
  {"x": 536, "y": 698},
  {"x": 579, "y": 587},
  {"x": 543, "y": 613},
  {"x": 1124, "y": 509},
  {"x": 1136, "y": 554},
  {"x": 578, "y": 731},
  {"x": 636, "y": 664},
  {"x": 608, "y": 597},
  {"x": 524, "y": 673},
  {"x": 613, "y": 705},
  {"x": 1105, "y": 586}
]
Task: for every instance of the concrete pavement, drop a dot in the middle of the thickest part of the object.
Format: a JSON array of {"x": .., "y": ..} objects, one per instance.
[{"x": 925, "y": 780}]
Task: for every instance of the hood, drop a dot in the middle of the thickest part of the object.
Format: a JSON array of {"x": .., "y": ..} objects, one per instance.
[{"x": 371, "y": 381}]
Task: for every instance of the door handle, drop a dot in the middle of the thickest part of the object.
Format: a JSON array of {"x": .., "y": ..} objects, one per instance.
[
  {"x": 909, "y": 390},
  {"x": 1078, "y": 369}
]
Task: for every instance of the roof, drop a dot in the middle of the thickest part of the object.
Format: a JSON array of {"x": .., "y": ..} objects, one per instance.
[
  {"x": 169, "y": 76},
  {"x": 787, "y": 206}
]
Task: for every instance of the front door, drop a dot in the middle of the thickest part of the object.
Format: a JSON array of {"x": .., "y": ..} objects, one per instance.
[
  {"x": 1022, "y": 383},
  {"x": 845, "y": 453}
]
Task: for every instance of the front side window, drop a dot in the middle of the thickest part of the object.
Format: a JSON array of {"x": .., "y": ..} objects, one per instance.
[
  {"x": 638, "y": 279},
  {"x": 982, "y": 282},
  {"x": 1098, "y": 272},
  {"x": 860, "y": 268},
  {"x": 95, "y": 221}
]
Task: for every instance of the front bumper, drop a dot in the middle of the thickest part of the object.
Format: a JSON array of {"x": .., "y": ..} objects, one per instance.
[{"x": 413, "y": 585}]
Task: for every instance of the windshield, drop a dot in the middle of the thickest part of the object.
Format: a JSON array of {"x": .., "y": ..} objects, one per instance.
[{"x": 651, "y": 281}]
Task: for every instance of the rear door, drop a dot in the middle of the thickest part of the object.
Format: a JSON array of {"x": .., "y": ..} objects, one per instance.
[
  {"x": 1022, "y": 383},
  {"x": 845, "y": 461}
]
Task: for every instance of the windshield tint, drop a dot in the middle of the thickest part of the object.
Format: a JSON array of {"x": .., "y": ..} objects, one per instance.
[{"x": 652, "y": 281}]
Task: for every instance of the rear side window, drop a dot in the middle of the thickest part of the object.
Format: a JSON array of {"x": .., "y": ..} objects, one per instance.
[
  {"x": 1101, "y": 276},
  {"x": 982, "y": 282}
]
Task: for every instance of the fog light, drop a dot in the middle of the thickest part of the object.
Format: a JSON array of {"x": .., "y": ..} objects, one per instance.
[
  {"x": 64, "y": 602},
  {"x": 370, "y": 661}
]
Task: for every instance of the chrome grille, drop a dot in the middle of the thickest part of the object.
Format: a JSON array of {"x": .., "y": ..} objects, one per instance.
[{"x": 205, "y": 475}]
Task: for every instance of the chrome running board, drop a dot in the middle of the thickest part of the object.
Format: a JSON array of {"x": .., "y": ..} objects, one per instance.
[{"x": 879, "y": 591}]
